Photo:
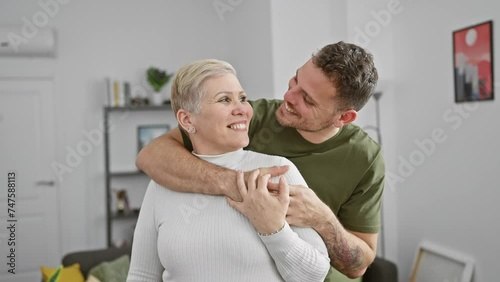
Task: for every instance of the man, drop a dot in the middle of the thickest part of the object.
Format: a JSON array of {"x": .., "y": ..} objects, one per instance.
[{"x": 313, "y": 128}]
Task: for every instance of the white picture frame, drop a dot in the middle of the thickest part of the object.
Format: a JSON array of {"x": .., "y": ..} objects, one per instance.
[
  {"x": 146, "y": 133},
  {"x": 434, "y": 263}
]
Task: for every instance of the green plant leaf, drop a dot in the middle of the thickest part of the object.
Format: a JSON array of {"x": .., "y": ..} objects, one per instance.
[
  {"x": 56, "y": 275},
  {"x": 157, "y": 78}
]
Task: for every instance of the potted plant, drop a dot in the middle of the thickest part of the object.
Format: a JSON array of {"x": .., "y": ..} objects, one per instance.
[{"x": 157, "y": 78}]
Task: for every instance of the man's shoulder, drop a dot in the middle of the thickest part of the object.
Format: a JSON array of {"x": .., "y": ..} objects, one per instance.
[
  {"x": 359, "y": 137},
  {"x": 360, "y": 145}
]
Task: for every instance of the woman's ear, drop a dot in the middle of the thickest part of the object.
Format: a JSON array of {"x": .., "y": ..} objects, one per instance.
[
  {"x": 345, "y": 118},
  {"x": 185, "y": 119}
]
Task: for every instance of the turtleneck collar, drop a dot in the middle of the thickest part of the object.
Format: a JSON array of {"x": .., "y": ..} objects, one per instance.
[{"x": 225, "y": 160}]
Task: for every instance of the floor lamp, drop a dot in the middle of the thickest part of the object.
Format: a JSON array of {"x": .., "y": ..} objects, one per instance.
[{"x": 376, "y": 128}]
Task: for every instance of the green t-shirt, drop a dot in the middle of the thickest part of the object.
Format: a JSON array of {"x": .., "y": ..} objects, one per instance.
[{"x": 346, "y": 172}]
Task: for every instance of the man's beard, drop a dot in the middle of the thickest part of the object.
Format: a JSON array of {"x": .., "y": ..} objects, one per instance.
[{"x": 303, "y": 126}]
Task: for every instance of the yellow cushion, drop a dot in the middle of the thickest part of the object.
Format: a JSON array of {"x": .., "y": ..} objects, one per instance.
[{"x": 70, "y": 273}]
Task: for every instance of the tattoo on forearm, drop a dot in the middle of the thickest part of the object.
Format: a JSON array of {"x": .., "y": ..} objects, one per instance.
[
  {"x": 346, "y": 257},
  {"x": 343, "y": 256}
]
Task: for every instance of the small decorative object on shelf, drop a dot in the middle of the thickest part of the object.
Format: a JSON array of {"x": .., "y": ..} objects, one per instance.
[
  {"x": 138, "y": 101},
  {"x": 122, "y": 201},
  {"x": 157, "y": 78},
  {"x": 120, "y": 243}
]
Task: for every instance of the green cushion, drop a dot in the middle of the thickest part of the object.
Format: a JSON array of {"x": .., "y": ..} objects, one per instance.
[{"x": 112, "y": 271}]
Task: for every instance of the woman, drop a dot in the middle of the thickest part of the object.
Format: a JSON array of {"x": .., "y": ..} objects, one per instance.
[{"x": 194, "y": 237}]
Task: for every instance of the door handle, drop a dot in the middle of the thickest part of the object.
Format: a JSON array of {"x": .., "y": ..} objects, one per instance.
[{"x": 45, "y": 183}]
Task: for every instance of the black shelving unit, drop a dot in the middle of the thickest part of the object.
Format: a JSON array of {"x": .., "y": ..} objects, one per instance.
[
  {"x": 132, "y": 214},
  {"x": 165, "y": 107},
  {"x": 112, "y": 215},
  {"x": 126, "y": 173}
]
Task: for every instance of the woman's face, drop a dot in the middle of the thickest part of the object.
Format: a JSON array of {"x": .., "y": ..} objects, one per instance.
[{"x": 224, "y": 117}]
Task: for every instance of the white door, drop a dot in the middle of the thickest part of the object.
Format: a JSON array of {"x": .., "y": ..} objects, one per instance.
[{"x": 29, "y": 217}]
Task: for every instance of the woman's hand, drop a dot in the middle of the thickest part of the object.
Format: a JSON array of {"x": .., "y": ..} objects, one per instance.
[{"x": 265, "y": 210}]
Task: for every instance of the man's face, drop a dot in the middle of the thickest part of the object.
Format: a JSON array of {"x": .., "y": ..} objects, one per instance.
[{"x": 309, "y": 103}]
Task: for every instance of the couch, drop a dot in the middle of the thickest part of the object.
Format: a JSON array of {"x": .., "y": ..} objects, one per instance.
[
  {"x": 91, "y": 258},
  {"x": 381, "y": 270}
]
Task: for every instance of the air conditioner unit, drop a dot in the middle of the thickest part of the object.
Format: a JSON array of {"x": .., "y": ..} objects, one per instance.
[{"x": 24, "y": 42}]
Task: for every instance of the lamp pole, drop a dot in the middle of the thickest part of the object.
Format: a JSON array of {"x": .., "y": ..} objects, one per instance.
[{"x": 377, "y": 96}]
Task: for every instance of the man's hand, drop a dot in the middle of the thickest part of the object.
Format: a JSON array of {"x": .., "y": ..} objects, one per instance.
[
  {"x": 305, "y": 209},
  {"x": 350, "y": 252},
  {"x": 273, "y": 171},
  {"x": 265, "y": 210}
]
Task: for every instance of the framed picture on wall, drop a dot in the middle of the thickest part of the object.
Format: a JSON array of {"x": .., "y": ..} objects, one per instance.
[
  {"x": 473, "y": 63},
  {"x": 146, "y": 133},
  {"x": 437, "y": 263}
]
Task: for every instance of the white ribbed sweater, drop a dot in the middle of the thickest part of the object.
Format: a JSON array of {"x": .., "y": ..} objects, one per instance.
[{"x": 193, "y": 237}]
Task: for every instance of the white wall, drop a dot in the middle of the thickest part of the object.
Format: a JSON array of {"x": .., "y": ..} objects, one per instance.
[
  {"x": 451, "y": 198},
  {"x": 249, "y": 46}
]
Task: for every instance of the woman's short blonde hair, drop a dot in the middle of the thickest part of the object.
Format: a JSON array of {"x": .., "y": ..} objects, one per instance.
[{"x": 188, "y": 85}]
